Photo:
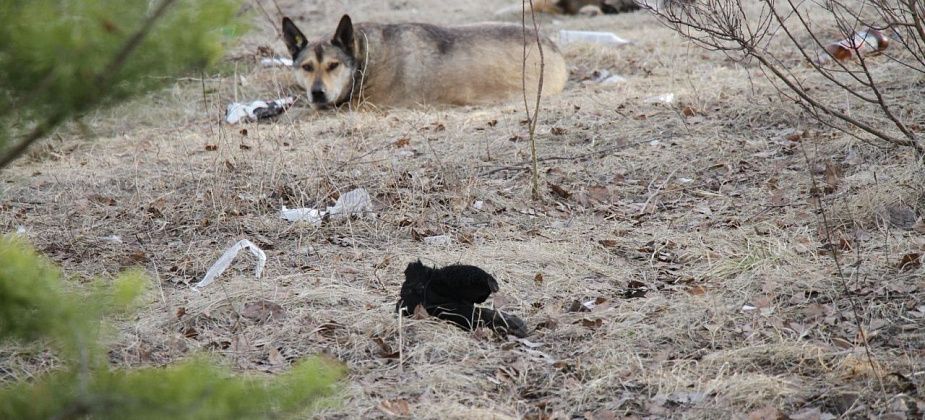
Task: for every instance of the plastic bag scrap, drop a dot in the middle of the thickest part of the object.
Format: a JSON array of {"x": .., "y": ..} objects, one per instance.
[
  {"x": 864, "y": 42},
  {"x": 276, "y": 62},
  {"x": 225, "y": 260},
  {"x": 257, "y": 110},
  {"x": 313, "y": 216},
  {"x": 353, "y": 202},
  {"x": 348, "y": 204}
]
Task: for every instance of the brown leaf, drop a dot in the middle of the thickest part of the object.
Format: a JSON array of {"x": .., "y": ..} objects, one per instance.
[
  {"x": 190, "y": 333},
  {"x": 395, "y": 408},
  {"x": 385, "y": 350},
  {"x": 696, "y": 290},
  {"x": 262, "y": 310},
  {"x": 558, "y": 131},
  {"x": 135, "y": 258},
  {"x": 592, "y": 323},
  {"x": 795, "y": 136},
  {"x": 549, "y": 324},
  {"x": 327, "y": 329},
  {"x": 602, "y": 415},
  {"x": 577, "y": 306},
  {"x": 688, "y": 111},
  {"x": 608, "y": 243},
  {"x": 766, "y": 413},
  {"x": 559, "y": 191},
  {"x": 833, "y": 175},
  {"x": 600, "y": 193},
  {"x": 538, "y": 279},
  {"x": 102, "y": 199},
  {"x": 211, "y": 147},
  {"x": 180, "y": 312},
  {"x": 243, "y": 146},
  {"x": 492, "y": 123},
  {"x": 275, "y": 358},
  {"x": 635, "y": 289},
  {"x": 402, "y": 142},
  {"x": 420, "y": 312},
  {"x": 910, "y": 261}
]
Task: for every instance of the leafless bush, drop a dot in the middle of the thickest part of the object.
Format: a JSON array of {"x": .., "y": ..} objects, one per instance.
[{"x": 868, "y": 89}]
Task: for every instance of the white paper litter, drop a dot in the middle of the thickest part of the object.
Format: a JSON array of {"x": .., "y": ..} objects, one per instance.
[
  {"x": 276, "y": 62},
  {"x": 312, "y": 216},
  {"x": 353, "y": 202},
  {"x": 21, "y": 230},
  {"x": 590, "y": 37},
  {"x": 225, "y": 260},
  {"x": 667, "y": 98},
  {"x": 256, "y": 110},
  {"x": 438, "y": 240},
  {"x": 348, "y": 204}
]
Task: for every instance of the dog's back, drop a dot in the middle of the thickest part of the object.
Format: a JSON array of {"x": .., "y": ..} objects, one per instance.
[{"x": 413, "y": 64}]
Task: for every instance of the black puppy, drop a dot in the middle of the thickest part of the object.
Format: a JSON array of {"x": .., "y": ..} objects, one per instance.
[{"x": 450, "y": 293}]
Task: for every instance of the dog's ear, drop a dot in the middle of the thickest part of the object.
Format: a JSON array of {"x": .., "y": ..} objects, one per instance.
[
  {"x": 294, "y": 38},
  {"x": 343, "y": 36}
]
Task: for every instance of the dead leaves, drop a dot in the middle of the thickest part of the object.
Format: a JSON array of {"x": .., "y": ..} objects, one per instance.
[
  {"x": 385, "y": 350},
  {"x": 395, "y": 408},
  {"x": 635, "y": 289},
  {"x": 559, "y": 191},
  {"x": 910, "y": 262},
  {"x": 262, "y": 311}
]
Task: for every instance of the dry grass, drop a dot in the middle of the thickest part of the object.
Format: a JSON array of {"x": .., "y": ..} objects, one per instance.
[{"x": 712, "y": 212}]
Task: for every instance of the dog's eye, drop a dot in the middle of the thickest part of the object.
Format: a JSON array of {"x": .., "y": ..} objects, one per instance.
[
  {"x": 333, "y": 66},
  {"x": 308, "y": 67}
]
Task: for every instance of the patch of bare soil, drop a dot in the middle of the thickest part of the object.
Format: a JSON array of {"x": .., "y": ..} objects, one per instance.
[{"x": 687, "y": 231}]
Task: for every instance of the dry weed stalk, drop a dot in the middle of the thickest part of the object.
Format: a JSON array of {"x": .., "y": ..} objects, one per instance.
[
  {"x": 856, "y": 313},
  {"x": 745, "y": 30},
  {"x": 532, "y": 119}
]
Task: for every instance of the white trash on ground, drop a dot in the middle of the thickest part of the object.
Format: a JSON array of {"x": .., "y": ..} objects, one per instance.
[
  {"x": 355, "y": 202},
  {"x": 276, "y": 62},
  {"x": 312, "y": 216},
  {"x": 225, "y": 260},
  {"x": 439, "y": 240},
  {"x": 667, "y": 99},
  {"x": 257, "y": 110},
  {"x": 590, "y": 37}
]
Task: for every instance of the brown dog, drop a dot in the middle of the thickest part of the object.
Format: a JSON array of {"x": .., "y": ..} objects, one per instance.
[{"x": 420, "y": 64}]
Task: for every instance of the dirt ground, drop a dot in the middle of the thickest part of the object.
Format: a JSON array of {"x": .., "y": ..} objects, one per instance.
[{"x": 690, "y": 228}]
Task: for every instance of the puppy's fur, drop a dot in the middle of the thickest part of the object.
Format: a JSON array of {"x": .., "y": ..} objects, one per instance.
[
  {"x": 420, "y": 64},
  {"x": 450, "y": 293}
]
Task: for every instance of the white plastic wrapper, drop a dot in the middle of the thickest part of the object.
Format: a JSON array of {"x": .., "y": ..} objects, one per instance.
[
  {"x": 276, "y": 62},
  {"x": 356, "y": 202},
  {"x": 353, "y": 202},
  {"x": 225, "y": 260},
  {"x": 256, "y": 110},
  {"x": 313, "y": 216}
]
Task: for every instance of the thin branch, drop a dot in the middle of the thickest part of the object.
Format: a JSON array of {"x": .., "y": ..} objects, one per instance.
[
  {"x": 532, "y": 120},
  {"x": 826, "y": 227},
  {"x": 103, "y": 79}
]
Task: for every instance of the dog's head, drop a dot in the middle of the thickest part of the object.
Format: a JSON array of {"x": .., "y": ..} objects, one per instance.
[{"x": 325, "y": 68}]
